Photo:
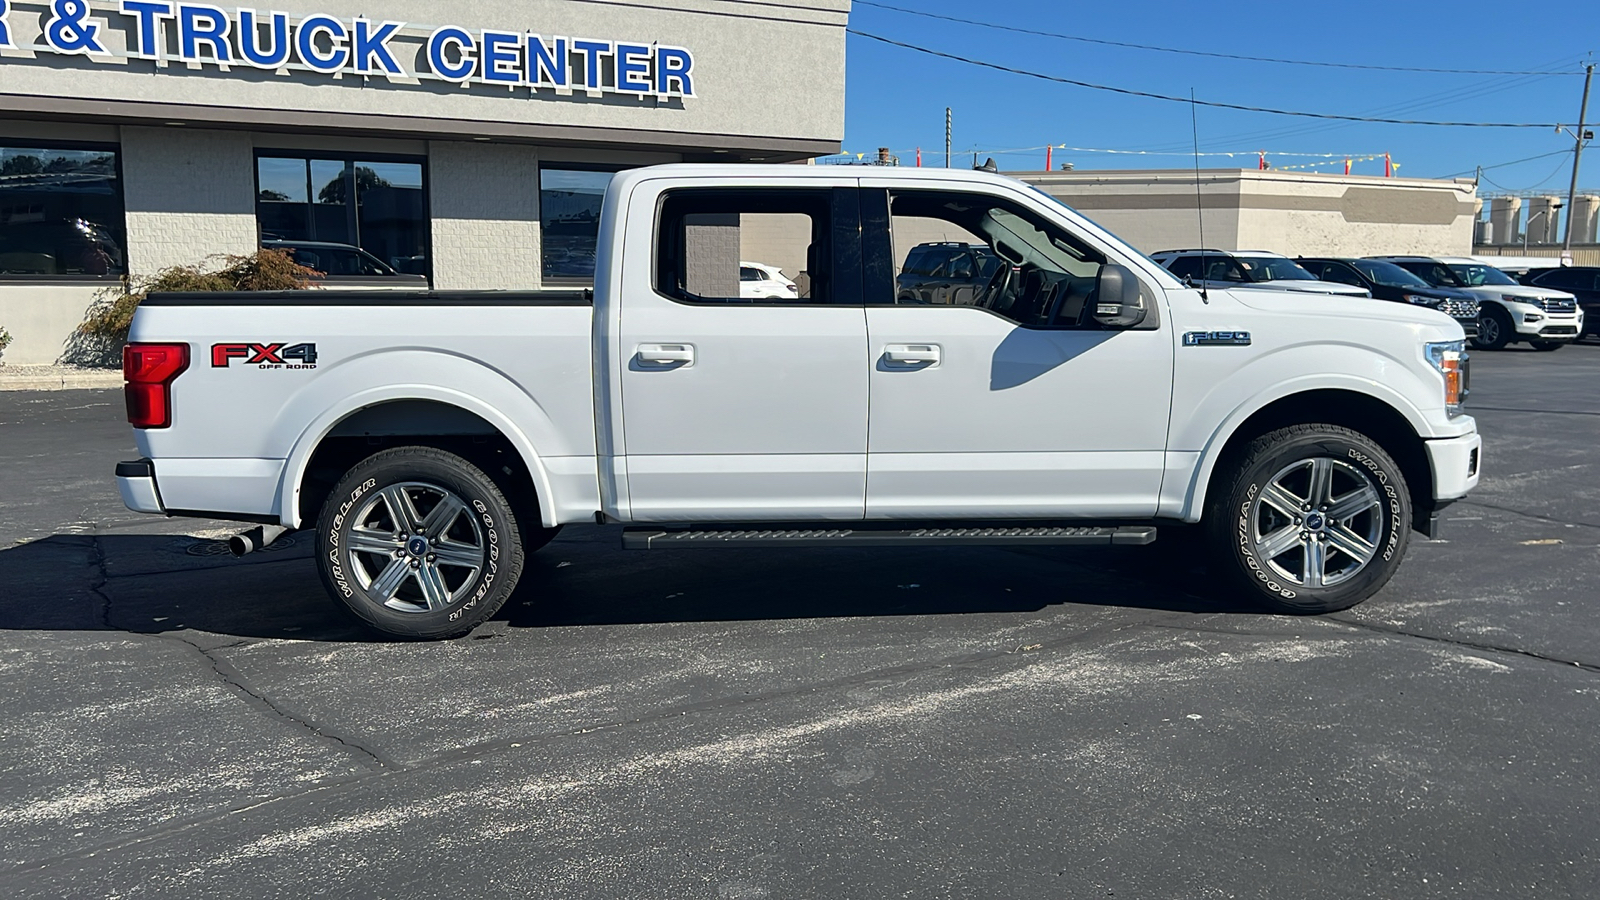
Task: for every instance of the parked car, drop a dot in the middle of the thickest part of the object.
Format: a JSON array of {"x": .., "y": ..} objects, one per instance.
[
  {"x": 946, "y": 273},
  {"x": 59, "y": 247},
  {"x": 347, "y": 267},
  {"x": 1088, "y": 398},
  {"x": 763, "y": 282},
  {"x": 1583, "y": 282},
  {"x": 1546, "y": 318},
  {"x": 1248, "y": 269},
  {"x": 1387, "y": 281}
]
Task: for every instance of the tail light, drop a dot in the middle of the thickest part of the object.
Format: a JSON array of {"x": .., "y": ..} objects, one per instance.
[{"x": 150, "y": 370}]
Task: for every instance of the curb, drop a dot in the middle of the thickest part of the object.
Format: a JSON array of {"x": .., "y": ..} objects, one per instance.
[{"x": 70, "y": 382}]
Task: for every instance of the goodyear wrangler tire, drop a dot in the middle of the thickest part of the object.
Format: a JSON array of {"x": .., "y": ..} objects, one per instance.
[
  {"x": 419, "y": 543},
  {"x": 1311, "y": 519}
]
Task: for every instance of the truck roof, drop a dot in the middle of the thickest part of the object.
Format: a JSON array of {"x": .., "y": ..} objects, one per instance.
[{"x": 741, "y": 171}]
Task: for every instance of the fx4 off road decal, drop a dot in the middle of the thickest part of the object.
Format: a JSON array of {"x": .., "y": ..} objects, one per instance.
[{"x": 281, "y": 355}]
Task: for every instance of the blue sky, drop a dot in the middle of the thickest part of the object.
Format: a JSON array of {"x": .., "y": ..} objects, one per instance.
[{"x": 896, "y": 97}]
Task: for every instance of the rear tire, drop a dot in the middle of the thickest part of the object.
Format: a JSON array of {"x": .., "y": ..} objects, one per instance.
[
  {"x": 419, "y": 543},
  {"x": 1310, "y": 519},
  {"x": 1495, "y": 329}
]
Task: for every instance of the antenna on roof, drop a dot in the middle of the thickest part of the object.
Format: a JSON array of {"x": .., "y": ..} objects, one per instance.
[{"x": 1199, "y": 207}]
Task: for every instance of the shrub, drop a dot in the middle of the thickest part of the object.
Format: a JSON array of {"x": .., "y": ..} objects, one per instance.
[
  {"x": 5, "y": 340},
  {"x": 265, "y": 270}
]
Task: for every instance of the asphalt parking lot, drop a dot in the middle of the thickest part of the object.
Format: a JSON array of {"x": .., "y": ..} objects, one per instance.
[{"x": 748, "y": 724}]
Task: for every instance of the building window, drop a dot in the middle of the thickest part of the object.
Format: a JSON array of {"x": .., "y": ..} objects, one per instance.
[
  {"x": 569, "y": 222},
  {"x": 345, "y": 203},
  {"x": 61, "y": 212}
]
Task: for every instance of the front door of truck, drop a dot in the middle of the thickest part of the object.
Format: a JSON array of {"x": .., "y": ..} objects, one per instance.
[
  {"x": 733, "y": 409},
  {"x": 1015, "y": 403}
]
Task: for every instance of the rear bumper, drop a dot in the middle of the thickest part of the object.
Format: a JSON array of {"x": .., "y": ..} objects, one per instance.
[
  {"x": 136, "y": 481},
  {"x": 232, "y": 489},
  {"x": 1456, "y": 463}
]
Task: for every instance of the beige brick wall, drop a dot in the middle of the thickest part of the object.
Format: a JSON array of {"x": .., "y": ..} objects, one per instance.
[
  {"x": 485, "y": 208},
  {"x": 189, "y": 193}
]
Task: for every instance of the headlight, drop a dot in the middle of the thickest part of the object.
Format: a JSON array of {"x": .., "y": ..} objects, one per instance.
[
  {"x": 1421, "y": 300},
  {"x": 1513, "y": 298},
  {"x": 1450, "y": 359}
]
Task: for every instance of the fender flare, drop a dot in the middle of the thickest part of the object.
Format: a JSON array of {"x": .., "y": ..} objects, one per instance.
[
  {"x": 1194, "y": 495},
  {"x": 294, "y": 469}
]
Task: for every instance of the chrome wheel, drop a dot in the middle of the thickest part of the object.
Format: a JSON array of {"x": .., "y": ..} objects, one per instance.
[
  {"x": 415, "y": 547},
  {"x": 1317, "y": 522}
]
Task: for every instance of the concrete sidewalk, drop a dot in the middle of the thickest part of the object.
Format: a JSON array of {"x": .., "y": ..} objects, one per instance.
[{"x": 56, "y": 378}]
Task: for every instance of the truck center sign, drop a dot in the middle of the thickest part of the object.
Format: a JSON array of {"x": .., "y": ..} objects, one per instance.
[{"x": 206, "y": 35}]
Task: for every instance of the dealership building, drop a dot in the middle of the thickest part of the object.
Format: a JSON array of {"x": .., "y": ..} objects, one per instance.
[{"x": 468, "y": 143}]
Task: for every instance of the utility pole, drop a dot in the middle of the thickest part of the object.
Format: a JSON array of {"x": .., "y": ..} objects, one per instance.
[
  {"x": 1577, "y": 157},
  {"x": 947, "y": 124}
]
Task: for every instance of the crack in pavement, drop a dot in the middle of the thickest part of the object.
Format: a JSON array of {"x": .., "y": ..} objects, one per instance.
[
  {"x": 231, "y": 676},
  {"x": 1471, "y": 645},
  {"x": 1517, "y": 512},
  {"x": 1388, "y": 631}
]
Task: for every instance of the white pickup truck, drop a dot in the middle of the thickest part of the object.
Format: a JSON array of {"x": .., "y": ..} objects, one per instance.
[{"x": 1082, "y": 396}]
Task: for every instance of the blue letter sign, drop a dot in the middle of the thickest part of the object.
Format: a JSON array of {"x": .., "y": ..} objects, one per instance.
[{"x": 208, "y": 34}]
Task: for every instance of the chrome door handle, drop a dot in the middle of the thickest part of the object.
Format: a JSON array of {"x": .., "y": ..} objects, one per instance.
[
  {"x": 925, "y": 355},
  {"x": 679, "y": 355}
]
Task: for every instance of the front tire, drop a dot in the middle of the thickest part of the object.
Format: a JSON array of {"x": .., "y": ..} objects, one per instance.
[
  {"x": 419, "y": 543},
  {"x": 1547, "y": 346},
  {"x": 1495, "y": 329},
  {"x": 1310, "y": 519}
]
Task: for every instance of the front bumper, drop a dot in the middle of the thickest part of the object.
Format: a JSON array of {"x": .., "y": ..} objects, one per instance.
[
  {"x": 1470, "y": 326},
  {"x": 1456, "y": 463},
  {"x": 136, "y": 481},
  {"x": 1544, "y": 326}
]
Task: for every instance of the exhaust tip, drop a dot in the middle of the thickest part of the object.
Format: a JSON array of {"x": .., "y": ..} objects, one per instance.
[
  {"x": 257, "y": 538},
  {"x": 247, "y": 542}
]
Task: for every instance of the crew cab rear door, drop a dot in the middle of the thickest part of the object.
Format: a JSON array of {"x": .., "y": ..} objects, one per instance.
[{"x": 742, "y": 409}]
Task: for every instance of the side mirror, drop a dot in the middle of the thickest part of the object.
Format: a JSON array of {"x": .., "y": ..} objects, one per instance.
[{"x": 1118, "y": 302}]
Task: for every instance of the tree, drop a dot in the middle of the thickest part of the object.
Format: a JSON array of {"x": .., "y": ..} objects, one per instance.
[{"x": 366, "y": 179}]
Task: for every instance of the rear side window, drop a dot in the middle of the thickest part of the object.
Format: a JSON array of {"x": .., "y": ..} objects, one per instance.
[
  {"x": 1342, "y": 274},
  {"x": 1185, "y": 267},
  {"x": 1566, "y": 278},
  {"x": 702, "y": 233}
]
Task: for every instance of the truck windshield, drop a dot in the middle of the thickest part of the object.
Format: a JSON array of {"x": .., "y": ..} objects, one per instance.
[
  {"x": 1476, "y": 276},
  {"x": 1388, "y": 274},
  {"x": 1272, "y": 268}
]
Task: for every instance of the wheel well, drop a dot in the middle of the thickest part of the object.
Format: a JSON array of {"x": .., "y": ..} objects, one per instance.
[
  {"x": 1358, "y": 412},
  {"x": 414, "y": 423}
]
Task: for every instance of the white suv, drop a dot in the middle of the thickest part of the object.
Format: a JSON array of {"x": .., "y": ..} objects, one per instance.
[
  {"x": 758, "y": 281},
  {"x": 1248, "y": 269},
  {"x": 1546, "y": 318}
]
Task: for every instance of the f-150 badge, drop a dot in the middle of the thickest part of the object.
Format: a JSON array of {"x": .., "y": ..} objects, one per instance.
[
  {"x": 280, "y": 355},
  {"x": 1217, "y": 339}
]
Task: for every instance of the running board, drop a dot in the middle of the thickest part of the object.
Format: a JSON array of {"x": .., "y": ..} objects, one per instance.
[{"x": 1076, "y": 535}]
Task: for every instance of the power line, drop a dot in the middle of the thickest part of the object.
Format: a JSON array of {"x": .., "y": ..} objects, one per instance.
[
  {"x": 1511, "y": 163},
  {"x": 1186, "y": 52},
  {"x": 1540, "y": 183},
  {"x": 1474, "y": 91},
  {"x": 1171, "y": 99}
]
